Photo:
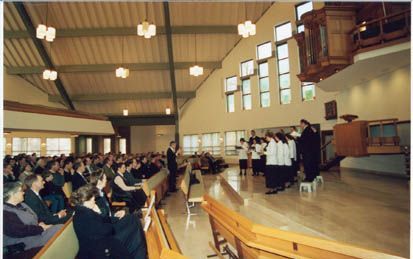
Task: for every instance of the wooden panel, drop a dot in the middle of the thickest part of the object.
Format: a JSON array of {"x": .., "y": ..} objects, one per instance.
[{"x": 351, "y": 138}]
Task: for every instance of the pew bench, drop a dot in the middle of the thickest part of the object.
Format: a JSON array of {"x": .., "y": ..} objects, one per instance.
[
  {"x": 157, "y": 183},
  {"x": 257, "y": 241},
  {"x": 193, "y": 193}
]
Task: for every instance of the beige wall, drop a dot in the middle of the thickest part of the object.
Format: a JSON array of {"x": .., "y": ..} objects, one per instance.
[
  {"x": 151, "y": 138},
  {"x": 19, "y": 90},
  {"x": 33, "y": 134}
]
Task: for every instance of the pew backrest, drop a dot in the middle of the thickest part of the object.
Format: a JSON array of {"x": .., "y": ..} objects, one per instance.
[
  {"x": 63, "y": 245},
  {"x": 157, "y": 183}
]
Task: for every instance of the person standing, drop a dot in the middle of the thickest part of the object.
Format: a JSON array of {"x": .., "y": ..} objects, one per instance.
[
  {"x": 271, "y": 178},
  {"x": 263, "y": 156},
  {"x": 172, "y": 166},
  {"x": 256, "y": 159},
  {"x": 253, "y": 137},
  {"x": 243, "y": 156},
  {"x": 293, "y": 156},
  {"x": 310, "y": 157}
]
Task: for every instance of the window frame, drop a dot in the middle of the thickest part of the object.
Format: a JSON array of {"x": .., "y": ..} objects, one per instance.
[
  {"x": 59, "y": 150},
  {"x": 243, "y": 94},
  {"x": 191, "y": 149},
  {"x": 247, "y": 75},
  {"x": 264, "y": 59},
  {"x": 283, "y": 74},
  {"x": 282, "y": 40},
  {"x": 226, "y": 84},
  {"x": 110, "y": 145},
  {"x": 230, "y": 150},
  {"x": 89, "y": 150},
  {"x": 213, "y": 149},
  {"x": 303, "y": 84},
  {"x": 26, "y": 149},
  {"x": 120, "y": 145},
  {"x": 259, "y": 84}
]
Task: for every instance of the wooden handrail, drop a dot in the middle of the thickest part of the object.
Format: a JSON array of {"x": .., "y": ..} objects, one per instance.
[
  {"x": 357, "y": 27},
  {"x": 277, "y": 242},
  {"x": 326, "y": 144}
]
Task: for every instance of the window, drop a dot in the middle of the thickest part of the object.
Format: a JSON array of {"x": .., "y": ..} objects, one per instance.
[
  {"x": 230, "y": 87},
  {"x": 106, "y": 145},
  {"x": 308, "y": 91},
  {"x": 231, "y": 84},
  {"x": 300, "y": 28},
  {"x": 247, "y": 68},
  {"x": 191, "y": 144},
  {"x": 283, "y": 31},
  {"x": 284, "y": 73},
  {"x": 230, "y": 103},
  {"x": 246, "y": 94},
  {"x": 122, "y": 145},
  {"x": 211, "y": 143},
  {"x": 88, "y": 145},
  {"x": 264, "y": 51},
  {"x": 26, "y": 145},
  {"x": 231, "y": 140},
  {"x": 264, "y": 84},
  {"x": 301, "y": 9},
  {"x": 58, "y": 146},
  {"x": 3, "y": 154}
]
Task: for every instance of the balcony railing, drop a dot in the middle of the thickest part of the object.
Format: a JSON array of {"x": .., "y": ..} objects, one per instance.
[{"x": 382, "y": 30}]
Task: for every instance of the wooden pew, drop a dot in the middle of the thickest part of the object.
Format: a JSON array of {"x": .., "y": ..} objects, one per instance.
[
  {"x": 157, "y": 183},
  {"x": 256, "y": 241},
  {"x": 193, "y": 193}
]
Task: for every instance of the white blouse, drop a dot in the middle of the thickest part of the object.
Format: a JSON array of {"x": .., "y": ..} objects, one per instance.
[
  {"x": 287, "y": 158},
  {"x": 242, "y": 153},
  {"x": 256, "y": 151},
  {"x": 271, "y": 153},
  {"x": 293, "y": 149}
]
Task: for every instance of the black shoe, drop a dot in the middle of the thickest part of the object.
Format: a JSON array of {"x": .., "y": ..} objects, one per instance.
[
  {"x": 240, "y": 174},
  {"x": 274, "y": 192},
  {"x": 280, "y": 189},
  {"x": 269, "y": 192},
  {"x": 245, "y": 174},
  {"x": 174, "y": 190}
]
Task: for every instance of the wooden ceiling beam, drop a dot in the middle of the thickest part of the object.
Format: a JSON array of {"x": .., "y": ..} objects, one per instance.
[
  {"x": 128, "y": 31},
  {"x": 123, "y": 96},
  {"x": 111, "y": 67}
]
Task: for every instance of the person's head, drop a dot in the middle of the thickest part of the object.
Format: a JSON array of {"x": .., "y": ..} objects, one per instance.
[
  {"x": 13, "y": 193},
  {"x": 34, "y": 182},
  {"x": 144, "y": 159},
  {"x": 84, "y": 196},
  {"x": 172, "y": 144},
  {"x": 253, "y": 133},
  {"x": 98, "y": 179},
  {"x": 41, "y": 162},
  {"x": 53, "y": 165},
  {"x": 7, "y": 169},
  {"x": 27, "y": 168},
  {"x": 128, "y": 165},
  {"x": 87, "y": 161},
  {"x": 154, "y": 158},
  {"x": 280, "y": 137},
  {"x": 293, "y": 128},
  {"x": 108, "y": 162},
  {"x": 121, "y": 168},
  {"x": 79, "y": 167},
  {"x": 47, "y": 176},
  {"x": 242, "y": 140},
  {"x": 269, "y": 135},
  {"x": 304, "y": 123},
  {"x": 289, "y": 137},
  {"x": 134, "y": 163}
]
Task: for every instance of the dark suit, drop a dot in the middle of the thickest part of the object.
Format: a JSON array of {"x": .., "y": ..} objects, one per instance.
[
  {"x": 172, "y": 167},
  {"x": 98, "y": 237},
  {"x": 78, "y": 181},
  {"x": 110, "y": 174},
  {"x": 153, "y": 169},
  {"x": 309, "y": 147},
  {"x": 41, "y": 210},
  {"x": 250, "y": 141}
]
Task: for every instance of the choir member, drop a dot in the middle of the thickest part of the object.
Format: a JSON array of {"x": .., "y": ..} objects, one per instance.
[
  {"x": 262, "y": 155},
  {"x": 271, "y": 177},
  {"x": 256, "y": 159},
  {"x": 283, "y": 154},
  {"x": 243, "y": 156},
  {"x": 293, "y": 156}
]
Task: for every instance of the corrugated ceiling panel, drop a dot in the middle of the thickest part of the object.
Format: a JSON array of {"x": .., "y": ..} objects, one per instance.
[
  {"x": 21, "y": 52},
  {"x": 186, "y": 82},
  {"x": 107, "y": 83},
  {"x": 207, "y": 13},
  {"x": 46, "y": 86},
  {"x": 95, "y": 14},
  {"x": 12, "y": 20}
]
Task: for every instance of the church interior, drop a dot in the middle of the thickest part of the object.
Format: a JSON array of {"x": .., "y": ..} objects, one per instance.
[{"x": 169, "y": 130}]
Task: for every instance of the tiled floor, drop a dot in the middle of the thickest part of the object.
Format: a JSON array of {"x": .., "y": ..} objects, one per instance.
[{"x": 361, "y": 209}]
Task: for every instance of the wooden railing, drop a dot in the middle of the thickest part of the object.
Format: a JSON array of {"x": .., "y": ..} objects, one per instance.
[
  {"x": 256, "y": 241},
  {"x": 381, "y": 30}
]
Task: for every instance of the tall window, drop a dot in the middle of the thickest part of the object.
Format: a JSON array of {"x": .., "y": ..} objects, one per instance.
[
  {"x": 191, "y": 144},
  {"x": 122, "y": 145},
  {"x": 3, "y": 154},
  {"x": 307, "y": 91},
  {"x": 58, "y": 146},
  {"x": 211, "y": 143},
  {"x": 246, "y": 94},
  {"x": 106, "y": 145},
  {"x": 232, "y": 140},
  {"x": 264, "y": 51},
  {"x": 283, "y": 32},
  {"x": 301, "y": 9},
  {"x": 247, "y": 68},
  {"x": 264, "y": 84},
  {"x": 230, "y": 87},
  {"x": 26, "y": 145},
  {"x": 284, "y": 73},
  {"x": 88, "y": 145}
]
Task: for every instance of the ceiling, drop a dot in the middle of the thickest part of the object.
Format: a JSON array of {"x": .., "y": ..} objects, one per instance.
[{"x": 90, "y": 38}]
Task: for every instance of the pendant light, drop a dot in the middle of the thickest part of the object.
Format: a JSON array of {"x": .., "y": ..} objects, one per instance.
[
  {"x": 121, "y": 71},
  {"x": 44, "y": 32},
  {"x": 146, "y": 29},
  {"x": 50, "y": 74},
  {"x": 247, "y": 28},
  {"x": 196, "y": 70}
]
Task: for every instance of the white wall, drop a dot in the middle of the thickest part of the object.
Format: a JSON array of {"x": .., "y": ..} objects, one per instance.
[
  {"x": 151, "y": 138},
  {"x": 19, "y": 90}
]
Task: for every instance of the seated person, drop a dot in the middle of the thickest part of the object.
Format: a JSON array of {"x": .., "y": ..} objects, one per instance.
[
  {"x": 68, "y": 170},
  {"x": 78, "y": 179},
  {"x": 58, "y": 177},
  {"x": 144, "y": 169},
  {"x": 34, "y": 184},
  {"x": 20, "y": 223},
  {"x": 48, "y": 194},
  {"x": 135, "y": 169},
  {"x": 128, "y": 173},
  {"x": 8, "y": 175},
  {"x": 125, "y": 190},
  {"x": 26, "y": 172},
  {"x": 98, "y": 236},
  {"x": 154, "y": 167}
]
